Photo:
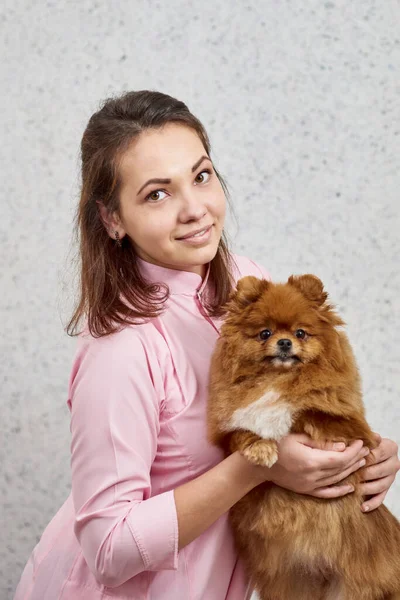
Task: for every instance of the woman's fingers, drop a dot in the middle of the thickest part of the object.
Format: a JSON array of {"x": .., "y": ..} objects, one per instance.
[
  {"x": 334, "y": 478},
  {"x": 371, "y": 488},
  {"x": 387, "y": 449},
  {"x": 374, "y": 502},
  {"x": 304, "y": 439},
  {"x": 382, "y": 469},
  {"x": 338, "y": 462},
  {"x": 334, "y": 491},
  {"x": 377, "y": 436}
]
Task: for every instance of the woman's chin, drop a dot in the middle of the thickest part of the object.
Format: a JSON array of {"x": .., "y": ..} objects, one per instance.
[
  {"x": 200, "y": 255},
  {"x": 202, "y": 259}
]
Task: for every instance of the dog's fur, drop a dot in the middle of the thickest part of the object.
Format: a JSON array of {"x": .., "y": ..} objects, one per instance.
[{"x": 297, "y": 547}]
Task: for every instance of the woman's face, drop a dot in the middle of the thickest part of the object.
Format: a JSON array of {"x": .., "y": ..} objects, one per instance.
[{"x": 160, "y": 217}]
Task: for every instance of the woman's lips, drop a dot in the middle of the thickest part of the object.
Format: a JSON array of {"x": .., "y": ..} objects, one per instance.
[{"x": 198, "y": 238}]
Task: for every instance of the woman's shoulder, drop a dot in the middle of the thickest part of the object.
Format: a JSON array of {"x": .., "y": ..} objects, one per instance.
[
  {"x": 134, "y": 355},
  {"x": 130, "y": 342},
  {"x": 243, "y": 266}
]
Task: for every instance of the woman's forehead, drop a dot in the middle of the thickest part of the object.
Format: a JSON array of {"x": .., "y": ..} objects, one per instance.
[{"x": 162, "y": 152}]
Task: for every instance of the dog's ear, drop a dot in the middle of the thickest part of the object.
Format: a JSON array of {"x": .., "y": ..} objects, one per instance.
[
  {"x": 311, "y": 287},
  {"x": 248, "y": 290}
]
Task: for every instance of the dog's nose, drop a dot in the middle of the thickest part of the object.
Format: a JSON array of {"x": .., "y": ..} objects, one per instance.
[{"x": 285, "y": 344}]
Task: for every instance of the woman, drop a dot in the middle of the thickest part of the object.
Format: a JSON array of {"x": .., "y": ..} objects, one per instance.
[{"x": 147, "y": 517}]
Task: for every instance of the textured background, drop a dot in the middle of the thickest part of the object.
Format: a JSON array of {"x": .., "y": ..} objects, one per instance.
[{"x": 301, "y": 101}]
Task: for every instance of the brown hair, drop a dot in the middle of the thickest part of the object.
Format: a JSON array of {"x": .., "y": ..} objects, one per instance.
[{"x": 113, "y": 292}]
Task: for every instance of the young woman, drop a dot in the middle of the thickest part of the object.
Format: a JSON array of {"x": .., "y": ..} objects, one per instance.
[{"x": 147, "y": 517}]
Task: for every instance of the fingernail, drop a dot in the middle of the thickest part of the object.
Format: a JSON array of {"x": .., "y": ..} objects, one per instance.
[
  {"x": 351, "y": 488},
  {"x": 366, "y": 452},
  {"x": 339, "y": 446},
  {"x": 365, "y": 508},
  {"x": 362, "y": 462}
]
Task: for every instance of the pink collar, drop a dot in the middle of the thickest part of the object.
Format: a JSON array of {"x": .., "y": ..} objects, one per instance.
[{"x": 179, "y": 282}]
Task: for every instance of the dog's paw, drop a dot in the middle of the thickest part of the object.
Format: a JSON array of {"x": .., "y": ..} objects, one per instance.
[{"x": 262, "y": 453}]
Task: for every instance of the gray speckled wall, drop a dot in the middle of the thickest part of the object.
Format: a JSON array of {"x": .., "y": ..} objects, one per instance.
[{"x": 301, "y": 100}]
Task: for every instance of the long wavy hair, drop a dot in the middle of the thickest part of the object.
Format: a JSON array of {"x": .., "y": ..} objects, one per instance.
[{"x": 112, "y": 291}]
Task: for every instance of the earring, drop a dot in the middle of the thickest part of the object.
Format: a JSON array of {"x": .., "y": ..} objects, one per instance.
[{"x": 117, "y": 239}]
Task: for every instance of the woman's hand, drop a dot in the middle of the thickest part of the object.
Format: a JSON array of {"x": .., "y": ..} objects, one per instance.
[
  {"x": 305, "y": 468},
  {"x": 379, "y": 477}
]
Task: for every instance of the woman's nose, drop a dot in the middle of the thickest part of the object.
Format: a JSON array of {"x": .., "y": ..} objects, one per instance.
[{"x": 192, "y": 207}]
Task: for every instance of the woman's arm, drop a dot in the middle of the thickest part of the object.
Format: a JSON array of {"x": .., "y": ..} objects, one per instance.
[
  {"x": 116, "y": 391},
  {"x": 301, "y": 468},
  {"x": 203, "y": 500}
]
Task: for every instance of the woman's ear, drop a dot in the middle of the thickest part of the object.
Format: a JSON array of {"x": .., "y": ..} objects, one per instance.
[{"x": 111, "y": 221}]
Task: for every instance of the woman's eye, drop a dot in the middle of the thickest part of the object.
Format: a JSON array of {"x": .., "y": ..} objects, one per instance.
[
  {"x": 155, "y": 196},
  {"x": 204, "y": 176},
  {"x": 265, "y": 334},
  {"x": 300, "y": 333}
]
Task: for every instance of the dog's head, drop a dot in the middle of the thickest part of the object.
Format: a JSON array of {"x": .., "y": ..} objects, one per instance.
[{"x": 283, "y": 326}]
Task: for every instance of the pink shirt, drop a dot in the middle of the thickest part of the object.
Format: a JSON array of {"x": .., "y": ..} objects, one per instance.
[{"x": 138, "y": 424}]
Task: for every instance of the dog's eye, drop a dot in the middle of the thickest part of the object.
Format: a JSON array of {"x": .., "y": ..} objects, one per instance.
[
  {"x": 265, "y": 334},
  {"x": 300, "y": 333}
]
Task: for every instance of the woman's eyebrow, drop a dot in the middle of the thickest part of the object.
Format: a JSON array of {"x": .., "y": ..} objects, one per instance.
[
  {"x": 156, "y": 180},
  {"x": 204, "y": 157}
]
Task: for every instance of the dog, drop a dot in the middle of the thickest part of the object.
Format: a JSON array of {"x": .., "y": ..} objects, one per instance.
[{"x": 283, "y": 363}]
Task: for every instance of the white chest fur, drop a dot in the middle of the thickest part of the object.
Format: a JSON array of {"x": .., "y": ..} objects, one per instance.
[{"x": 269, "y": 417}]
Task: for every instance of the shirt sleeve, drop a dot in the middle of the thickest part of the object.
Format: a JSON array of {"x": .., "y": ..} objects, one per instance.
[{"x": 115, "y": 396}]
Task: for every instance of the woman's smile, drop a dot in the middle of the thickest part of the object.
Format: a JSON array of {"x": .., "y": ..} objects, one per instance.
[{"x": 201, "y": 236}]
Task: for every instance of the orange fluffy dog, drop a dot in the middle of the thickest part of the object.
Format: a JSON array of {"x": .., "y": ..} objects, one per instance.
[{"x": 282, "y": 365}]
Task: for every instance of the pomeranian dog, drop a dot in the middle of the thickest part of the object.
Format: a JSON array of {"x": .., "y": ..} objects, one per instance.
[{"x": 283, "y": 364}]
